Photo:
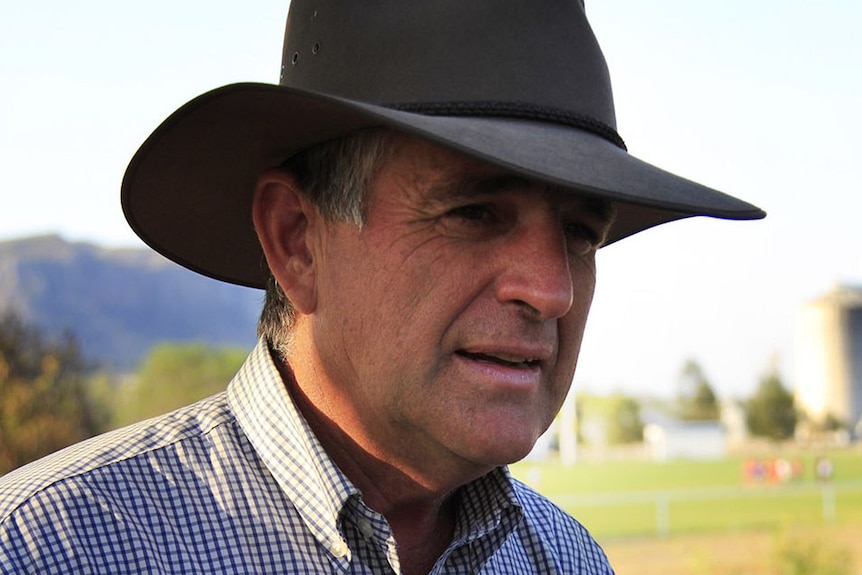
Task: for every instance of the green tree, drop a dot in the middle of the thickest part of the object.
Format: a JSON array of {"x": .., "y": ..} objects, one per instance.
[
  {"x": 609, "y": 419},
  {"x": 624, "y": 422},
  {"x": 44, "y": 404},
  {"x": 696, "y": 401},
  {"x": 771, "y": 412},
  {"x": 174, "y": 375}
]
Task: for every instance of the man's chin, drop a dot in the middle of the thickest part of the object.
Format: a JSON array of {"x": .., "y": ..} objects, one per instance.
[{"x": 503, "y": 451}]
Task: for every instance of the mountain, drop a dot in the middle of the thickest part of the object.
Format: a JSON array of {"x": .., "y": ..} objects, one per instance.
[{"x": 120, "y": 302}]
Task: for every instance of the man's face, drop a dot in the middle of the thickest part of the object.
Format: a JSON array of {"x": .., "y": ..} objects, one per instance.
[{"x": 450, "y": 323}]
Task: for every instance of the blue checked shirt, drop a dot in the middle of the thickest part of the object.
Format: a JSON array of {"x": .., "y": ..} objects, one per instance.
[{"x": 238, "y": 484}]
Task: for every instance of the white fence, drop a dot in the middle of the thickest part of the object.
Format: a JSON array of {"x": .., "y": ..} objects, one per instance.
[{"x": 662, "y": 500}]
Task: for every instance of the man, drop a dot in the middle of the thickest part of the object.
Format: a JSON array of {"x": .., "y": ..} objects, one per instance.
[{"x": 423, "y": 196}]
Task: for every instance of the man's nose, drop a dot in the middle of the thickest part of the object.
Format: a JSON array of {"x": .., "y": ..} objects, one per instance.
[{"x": 537, "y": 272}]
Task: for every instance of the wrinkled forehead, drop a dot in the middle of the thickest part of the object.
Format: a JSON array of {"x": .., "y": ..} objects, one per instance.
[
  {"x": 498, "y": 182},
  {"x": 447, "y": 176}
]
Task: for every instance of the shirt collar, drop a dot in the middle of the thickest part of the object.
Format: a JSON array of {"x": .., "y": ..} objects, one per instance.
[
  {"x": 486, "y": 505},
  {"x": 318, "y": 489},
  {"x": 287, "y": 446}
]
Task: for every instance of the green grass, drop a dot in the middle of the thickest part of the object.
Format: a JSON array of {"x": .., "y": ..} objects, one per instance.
[{"x": 623, "y": 499}]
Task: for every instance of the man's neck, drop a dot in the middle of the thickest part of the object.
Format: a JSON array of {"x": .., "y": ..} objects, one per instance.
[
  {"x": 421, "y": 515},
  {"x": 420, "y": 545}
]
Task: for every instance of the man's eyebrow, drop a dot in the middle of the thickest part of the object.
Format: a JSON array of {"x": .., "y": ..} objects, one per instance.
[
  {"x": 605, "y": 210},
  {"x": 470, "y": 186}
]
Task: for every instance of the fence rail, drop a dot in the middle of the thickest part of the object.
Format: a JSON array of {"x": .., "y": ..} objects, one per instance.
[{"x": 728, "y": 503}]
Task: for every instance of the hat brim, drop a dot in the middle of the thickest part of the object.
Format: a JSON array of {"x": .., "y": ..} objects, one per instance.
[{"x": 188, "y": 190}]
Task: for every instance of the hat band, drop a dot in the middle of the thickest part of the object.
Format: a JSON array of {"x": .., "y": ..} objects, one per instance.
[{"x": 515, "y": 110}]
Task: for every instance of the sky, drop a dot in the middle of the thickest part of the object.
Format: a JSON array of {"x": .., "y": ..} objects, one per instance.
[{"x": 757, "y": 98}]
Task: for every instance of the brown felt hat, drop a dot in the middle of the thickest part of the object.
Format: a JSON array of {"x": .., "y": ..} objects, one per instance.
[{"x": 519, "y": 84}]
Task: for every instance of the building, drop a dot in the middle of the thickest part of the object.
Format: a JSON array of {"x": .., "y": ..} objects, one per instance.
[
  {"x": 828, "y": 358},
  {"x": 667, "y": 437},
  {"x": 670, "y": 439}
]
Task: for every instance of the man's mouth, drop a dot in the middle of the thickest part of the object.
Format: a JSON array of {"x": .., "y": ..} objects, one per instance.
[{"x": 507, "y": 360}]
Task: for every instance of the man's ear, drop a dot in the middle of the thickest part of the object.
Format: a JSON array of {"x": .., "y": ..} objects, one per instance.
[{"x": 283, "y": 217}]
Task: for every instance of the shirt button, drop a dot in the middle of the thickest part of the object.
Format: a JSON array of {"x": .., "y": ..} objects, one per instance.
[{"x": 339, "y": 549}]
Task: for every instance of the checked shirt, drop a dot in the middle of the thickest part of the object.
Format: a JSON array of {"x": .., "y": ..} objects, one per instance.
[{"x": 238, "y": 484}]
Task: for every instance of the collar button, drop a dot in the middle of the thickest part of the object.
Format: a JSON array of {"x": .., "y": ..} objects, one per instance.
[{"x": 339, "y": 549}]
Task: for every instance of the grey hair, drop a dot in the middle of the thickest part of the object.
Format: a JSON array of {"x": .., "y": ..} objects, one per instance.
[{"x": 336, "y": 177}]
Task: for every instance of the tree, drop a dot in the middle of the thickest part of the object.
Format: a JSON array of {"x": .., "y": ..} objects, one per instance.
[
  {"x": 609, "y": 420},
  {"x": 771, "y": 412},
  {"x": 624, "y": 423},
  {"x": 44, "y": 404},
  {"x": 174, "y": 375},
  {"x": 696, "y": 400}
]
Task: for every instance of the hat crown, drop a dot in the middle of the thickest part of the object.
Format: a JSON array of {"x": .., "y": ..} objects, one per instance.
[
  {"x": 423, "y": 54},
  {"x": 518, "y": 84}
]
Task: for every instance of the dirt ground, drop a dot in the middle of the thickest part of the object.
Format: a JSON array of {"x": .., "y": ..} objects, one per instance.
[{"x": 825, "y": 551}]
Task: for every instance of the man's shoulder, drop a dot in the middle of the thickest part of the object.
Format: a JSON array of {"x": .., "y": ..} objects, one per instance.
[{"x": 113, "y": 449}]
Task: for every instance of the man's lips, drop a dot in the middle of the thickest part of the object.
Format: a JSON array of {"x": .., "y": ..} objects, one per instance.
[{"x": 502, "y": 358}]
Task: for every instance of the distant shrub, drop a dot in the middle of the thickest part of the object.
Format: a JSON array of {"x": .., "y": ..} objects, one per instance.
[{"x": 798, "y": 555}]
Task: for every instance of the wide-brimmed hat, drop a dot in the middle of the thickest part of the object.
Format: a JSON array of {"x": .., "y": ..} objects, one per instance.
[{"x": 519, "y": 84}]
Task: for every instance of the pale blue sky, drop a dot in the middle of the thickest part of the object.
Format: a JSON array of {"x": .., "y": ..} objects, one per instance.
[{"x": 757, "y": 98}]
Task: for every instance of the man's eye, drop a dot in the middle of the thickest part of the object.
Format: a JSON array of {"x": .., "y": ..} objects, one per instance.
[
  {"x": 471, "y": 212},
  {"x": 474, "y": 221},
  {"x": 582, "y": 236}
]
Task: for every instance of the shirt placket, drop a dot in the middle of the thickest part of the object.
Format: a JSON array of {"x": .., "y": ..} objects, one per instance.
[{"x": 369, "y": 531}]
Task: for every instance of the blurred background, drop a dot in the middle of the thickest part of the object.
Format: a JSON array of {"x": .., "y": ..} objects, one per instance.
[{"x": 742, "y": 339}]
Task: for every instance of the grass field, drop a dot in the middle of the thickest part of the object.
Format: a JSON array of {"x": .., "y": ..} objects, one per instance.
[{"x": 707, "y": 517}]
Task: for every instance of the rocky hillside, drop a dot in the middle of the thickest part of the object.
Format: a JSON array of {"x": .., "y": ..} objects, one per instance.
[{"x": 119, "y": 302}]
